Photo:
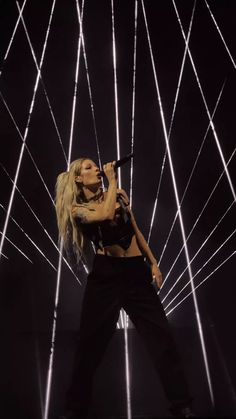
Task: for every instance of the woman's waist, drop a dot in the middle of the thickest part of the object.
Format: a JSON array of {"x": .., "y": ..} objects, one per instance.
[
  {"x": 119, "y": 250},
  {"x": 112, "y": 265}
]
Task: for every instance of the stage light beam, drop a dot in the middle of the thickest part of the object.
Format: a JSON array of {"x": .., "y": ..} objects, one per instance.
[
  {"x": 206, "y": 108},
  {"x": 171, "y": 124},
  {"x": 17, "y": 248},
  {"x": 58, "y": 280},
  {"x": 204, "y": 280},
  {"x": 200, "y": 248},
  {"x": 133, "y": 101},
  {"x": 115, "y": 91},
  {"x": 38, "y": 67},
  {"x": 185, "y": 191},
  {"x": 89, "y": 89},
  {"x": 198, "y": 318},
  {"x": 12, "y": 38},
  {"x": 29, "y": 238},
  {"x": 40, "y": 223},
  {"x": 220, "y": 33},
  {"x": 22, "y": 147}
]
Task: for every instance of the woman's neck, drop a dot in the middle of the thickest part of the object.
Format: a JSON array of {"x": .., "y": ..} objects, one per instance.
[{"x": 93, "y": 195}]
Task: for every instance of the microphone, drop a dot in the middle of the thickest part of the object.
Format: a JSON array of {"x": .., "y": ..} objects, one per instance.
[{"x": 120, "y": 162}]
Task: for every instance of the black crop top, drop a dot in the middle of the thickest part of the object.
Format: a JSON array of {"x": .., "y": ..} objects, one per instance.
[{"x": 110, "y": 232}]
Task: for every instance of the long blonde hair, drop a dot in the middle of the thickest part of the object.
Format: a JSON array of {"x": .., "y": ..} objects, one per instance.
[{"x": 68, "y": 194}]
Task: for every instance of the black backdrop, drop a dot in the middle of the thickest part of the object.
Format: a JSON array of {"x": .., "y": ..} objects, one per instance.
[{"x": 28, "y": 288}]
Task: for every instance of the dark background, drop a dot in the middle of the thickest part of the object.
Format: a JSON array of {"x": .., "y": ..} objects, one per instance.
[{"x": 28, "y": 288}]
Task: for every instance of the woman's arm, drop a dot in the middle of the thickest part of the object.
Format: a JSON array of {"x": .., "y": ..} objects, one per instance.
[
  {"x": 146, "y": 251},
  {"x": 143, "y": 245}
]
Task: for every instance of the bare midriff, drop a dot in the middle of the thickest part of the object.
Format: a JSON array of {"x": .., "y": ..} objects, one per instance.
[{"x": 118, "y": 251}]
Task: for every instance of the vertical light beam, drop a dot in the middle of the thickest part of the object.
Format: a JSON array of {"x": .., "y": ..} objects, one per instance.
[
  {"x": 116, "y": 110},
  {"x": 58, "y": 280},
  {"x": 122, "y": 313},
  {"x": 75, "y": 93},
  {"x": 127, "y": 371},
  {"x": 180, "y": 215},
  {"x": 89, "y": 89},
  {"x": 133, "y": 102},
  {"x": 51, "y": 357},
  {"x": 116, "y": 93}
]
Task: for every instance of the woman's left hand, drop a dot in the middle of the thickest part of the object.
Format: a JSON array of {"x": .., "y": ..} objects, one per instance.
[{"x": 156, "y": 275}]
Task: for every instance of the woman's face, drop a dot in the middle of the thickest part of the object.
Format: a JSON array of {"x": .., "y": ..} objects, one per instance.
[{"x": 89, "y": 173}]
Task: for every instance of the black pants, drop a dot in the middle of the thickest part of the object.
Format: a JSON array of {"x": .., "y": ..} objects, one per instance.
[{"x": 115, "y": 283}]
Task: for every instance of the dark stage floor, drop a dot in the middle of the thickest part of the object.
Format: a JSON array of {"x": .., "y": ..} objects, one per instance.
[{"x": 25, "y": 371}]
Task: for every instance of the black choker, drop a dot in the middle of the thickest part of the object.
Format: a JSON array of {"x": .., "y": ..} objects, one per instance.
[{"x": 95, "y": 197}]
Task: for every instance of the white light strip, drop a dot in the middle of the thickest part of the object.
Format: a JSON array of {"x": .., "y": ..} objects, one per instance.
[
  {"x": 206, "y": 107},
  {"x": 53, "y": 338},
  {"x": 189, "y": 180},
  {"x": 121, "y": 319},
  {"x": 17, "y": 248},
  {"x": 218, "y": 29},
  {"x": 182, "y": 69},
  {"x": 12, "y": 38},
  {"x": 156, "y": 199},
  {"x": 200, "y": 248},
  {"x": 133, "y": 102},
  {"x": 122, "y": 313},
  {"x": 75, "y": 90},
  {"x": 116, "y": 111},
  {"x": 44, "y": 183},
  {"x": 38, "y": 67},
  {"x": 127, "y": 370},
  {"x": 180, "y": 216},
  {"x": 202, "y": 267},
  {"x": 21, "y": 154},
  {"x": 51, "y": 358},
  {"x": 198, "y": 218},
  {"x": 39, "y": 173},
  {"x": 89, "y": 89},
  {"x": 208, "y": 276},
  {"x": 27, "y": 149},
  {"x": 6, "y": 257},
  {"x": 171, "y": 124},
  {"x": 38, "y": 220},
  {"x": 116, "y": 93},
  {"x": 29, "y": 238}
]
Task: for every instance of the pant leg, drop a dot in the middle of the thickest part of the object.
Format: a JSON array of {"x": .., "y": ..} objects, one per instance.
[
  {"x": 99, "y": 315},
  {"x": 142, "y": 304}
]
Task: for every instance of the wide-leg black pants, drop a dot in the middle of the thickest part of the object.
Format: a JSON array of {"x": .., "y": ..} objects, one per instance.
[{"x": 115, "y": 283}]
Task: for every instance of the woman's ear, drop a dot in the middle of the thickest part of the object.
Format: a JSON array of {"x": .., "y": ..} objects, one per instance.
[{"x": 78, "y": 179}]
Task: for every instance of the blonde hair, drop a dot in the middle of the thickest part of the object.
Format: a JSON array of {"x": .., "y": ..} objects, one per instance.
[{"x": 68, "y": 194}]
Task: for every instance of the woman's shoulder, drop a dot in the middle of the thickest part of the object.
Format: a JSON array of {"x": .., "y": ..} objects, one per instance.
[{"x": 79, "y": 210}]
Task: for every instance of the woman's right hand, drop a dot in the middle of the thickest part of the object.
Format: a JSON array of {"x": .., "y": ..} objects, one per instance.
[{"x": 109, "y": 170}]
